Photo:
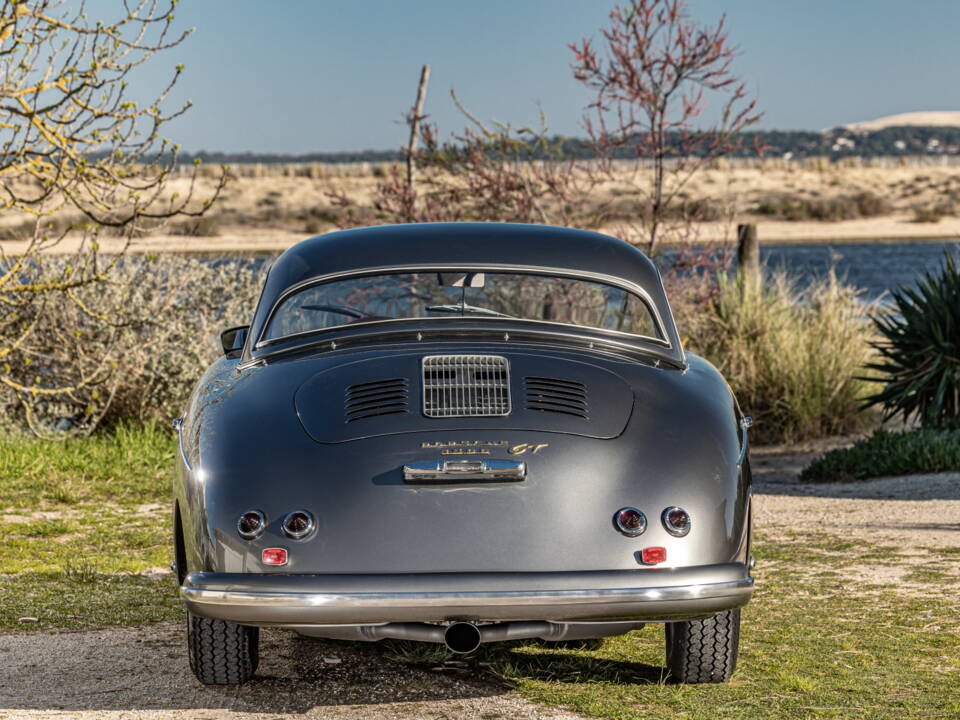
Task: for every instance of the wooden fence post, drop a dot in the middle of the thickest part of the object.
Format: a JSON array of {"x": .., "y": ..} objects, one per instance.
[{"x": 748, "y": 256}]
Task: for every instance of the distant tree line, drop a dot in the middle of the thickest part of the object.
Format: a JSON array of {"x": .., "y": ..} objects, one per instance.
[{"x": 836, "y": 143}]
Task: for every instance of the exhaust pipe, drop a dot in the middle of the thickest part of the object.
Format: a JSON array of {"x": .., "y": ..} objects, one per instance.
[{"x": 462, "y": 637}]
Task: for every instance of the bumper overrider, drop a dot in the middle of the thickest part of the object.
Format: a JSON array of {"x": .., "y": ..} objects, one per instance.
[{"x": 645, "y": 595}]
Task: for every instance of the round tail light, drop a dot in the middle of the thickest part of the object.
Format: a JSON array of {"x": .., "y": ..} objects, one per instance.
[
  {"x": 298, "y": 524},
  {"x": 676, "y": 521},
  {"x": 630, "y": 521},
  {"x": 251, "y": 524}
]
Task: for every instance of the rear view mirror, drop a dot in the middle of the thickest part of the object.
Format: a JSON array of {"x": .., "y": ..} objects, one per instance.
[
  {"x": 470, "y": 279},
  {"x": 233, "y": 339}
]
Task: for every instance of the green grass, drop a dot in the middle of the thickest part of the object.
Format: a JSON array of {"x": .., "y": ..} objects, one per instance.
[
  {"x": 66, "y": 600},
  {"x": 80, "y": 522},
  {"x": 103, "y": 500},
  {"x": 886, "y": 453},
  {"x": 819, "y": 640},
  {"x": 811, "y": 647}
]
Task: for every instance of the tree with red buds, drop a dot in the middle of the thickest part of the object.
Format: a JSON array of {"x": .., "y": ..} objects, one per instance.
[{"x": 652, "y": 77}]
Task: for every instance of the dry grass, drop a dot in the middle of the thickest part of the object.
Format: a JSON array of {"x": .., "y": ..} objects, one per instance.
[{"x": 792, "y": 356}]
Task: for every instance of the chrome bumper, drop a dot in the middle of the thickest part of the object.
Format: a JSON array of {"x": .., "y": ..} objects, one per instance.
[{"x": 580, "y": 596}]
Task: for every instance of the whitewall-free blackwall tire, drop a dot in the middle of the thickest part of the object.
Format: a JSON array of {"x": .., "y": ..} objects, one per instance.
[
  {"x": 703, "y": 651},
  {"x": 222, "y": 652}
]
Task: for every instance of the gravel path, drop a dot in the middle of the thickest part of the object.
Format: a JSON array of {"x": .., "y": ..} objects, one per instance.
[
  {"x": 142, "y": 673},
  {"x": 914, "y": 510}
]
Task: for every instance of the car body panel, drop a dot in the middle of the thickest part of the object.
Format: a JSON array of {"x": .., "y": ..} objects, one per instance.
[{"x": 270, "y": 432}]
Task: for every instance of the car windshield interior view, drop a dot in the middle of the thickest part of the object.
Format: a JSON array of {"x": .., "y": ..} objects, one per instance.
[{"x": 395, "y": 296}]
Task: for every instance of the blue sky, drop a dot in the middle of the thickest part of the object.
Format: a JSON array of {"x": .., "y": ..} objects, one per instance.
[{"x": 299, "y": 76}]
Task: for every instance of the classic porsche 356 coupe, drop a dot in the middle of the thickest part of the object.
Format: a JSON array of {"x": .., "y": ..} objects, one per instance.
[{"x": 462, "y": 433}]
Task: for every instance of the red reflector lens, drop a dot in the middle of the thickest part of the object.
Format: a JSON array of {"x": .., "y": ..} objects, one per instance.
[
  {"x": 274, "y": 556},
  {"x": 654, "y": 555}
]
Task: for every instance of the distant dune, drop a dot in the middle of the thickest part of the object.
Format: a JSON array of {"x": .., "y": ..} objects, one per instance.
[{"x": 939, "y": 118}]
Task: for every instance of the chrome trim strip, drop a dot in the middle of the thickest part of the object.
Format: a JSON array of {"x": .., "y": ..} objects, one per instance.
[
  {"x": 514, "y": 598},
  {"x": 595, "y": 342},
  {"x": 486, "y": 267},
  {"x": 745, "y": 424},
  {"x": 178, "y": 426},
  {"x": 464, "y": 470}
]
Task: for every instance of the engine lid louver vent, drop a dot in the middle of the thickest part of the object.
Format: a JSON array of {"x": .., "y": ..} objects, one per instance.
[
  {"x": 373, "y": 399},
  {"x": 567, "y": 397},
  {"x": 466, "y": 386}
]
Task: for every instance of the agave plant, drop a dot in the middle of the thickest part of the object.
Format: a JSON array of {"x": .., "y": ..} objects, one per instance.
[{"x": 920, "y": 351}]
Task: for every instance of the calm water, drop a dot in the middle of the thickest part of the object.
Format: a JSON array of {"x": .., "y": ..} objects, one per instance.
[{"x": 873, "y": 267}]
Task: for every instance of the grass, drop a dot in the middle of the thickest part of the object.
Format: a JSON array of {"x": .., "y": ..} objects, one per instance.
[
  {"x": 815, "y": 644},
  {"x": 924, "y": 450},
  {"x": 820, "y": 639},
  {"x": 81, "y": 522},
  {"x": 792, "y": 355},
  {"x": 64, "y": 600}
]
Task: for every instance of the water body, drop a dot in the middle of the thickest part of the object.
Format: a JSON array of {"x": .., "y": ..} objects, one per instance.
[{"x": 875, "y": 268}]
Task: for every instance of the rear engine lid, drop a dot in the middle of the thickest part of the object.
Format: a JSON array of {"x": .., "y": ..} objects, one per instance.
[{"x": 412, "y": 393}]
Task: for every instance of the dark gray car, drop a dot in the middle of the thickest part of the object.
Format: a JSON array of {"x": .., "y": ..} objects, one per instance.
[{"x": 462, "y": 433}]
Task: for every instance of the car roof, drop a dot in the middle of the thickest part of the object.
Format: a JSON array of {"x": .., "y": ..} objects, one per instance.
[{"x": 426, "y": 245}]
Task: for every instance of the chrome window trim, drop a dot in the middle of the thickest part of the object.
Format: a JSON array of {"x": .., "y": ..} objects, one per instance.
[
  {"x": 485, "y": 267},
  {"x": 539, "y": 334}
]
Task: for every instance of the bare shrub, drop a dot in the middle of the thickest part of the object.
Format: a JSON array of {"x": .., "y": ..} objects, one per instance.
[
  {"x": 206, "y": 226},
  {"x": 79, "y": 154},
  {"x": 787, "y": 206},
  {"x": 485, "y": 172},
  {"x": 933, "y": 213},
  {"x": 144, "y": 368}
]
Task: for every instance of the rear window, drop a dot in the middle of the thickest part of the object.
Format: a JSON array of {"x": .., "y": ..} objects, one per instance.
[{"x": 477, "y": 295}]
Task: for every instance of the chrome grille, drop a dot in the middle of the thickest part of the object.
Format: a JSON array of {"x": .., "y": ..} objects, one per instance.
[{"x": 466, "y": 386}]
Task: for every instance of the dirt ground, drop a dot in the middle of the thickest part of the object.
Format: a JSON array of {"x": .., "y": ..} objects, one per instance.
[
  {"x": 142, "y": 673},
  {"x": 914, "y": 510}
]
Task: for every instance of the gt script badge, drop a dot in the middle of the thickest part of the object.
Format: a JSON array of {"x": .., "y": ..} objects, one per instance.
[{"x": 481, "y": 447}]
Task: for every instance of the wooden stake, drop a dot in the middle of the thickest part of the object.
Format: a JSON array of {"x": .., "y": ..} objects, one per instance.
[
  {"x": 415, "y": 129},
  {"x": 748, "y": 255}
]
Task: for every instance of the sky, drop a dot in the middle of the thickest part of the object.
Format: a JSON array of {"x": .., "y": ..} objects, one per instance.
[{"x": 301, "y": 76}]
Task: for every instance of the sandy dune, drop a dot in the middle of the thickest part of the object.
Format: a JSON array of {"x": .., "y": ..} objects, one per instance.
[{"x": 937, "y": 118}]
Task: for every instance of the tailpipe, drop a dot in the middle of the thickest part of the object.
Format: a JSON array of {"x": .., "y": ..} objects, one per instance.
[{"x": 462, "y": 637}]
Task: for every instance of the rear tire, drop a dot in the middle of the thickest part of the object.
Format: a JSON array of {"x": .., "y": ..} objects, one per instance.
[
  {"x": 222, "y": 652},
  {"x": 703, "y": 651}
]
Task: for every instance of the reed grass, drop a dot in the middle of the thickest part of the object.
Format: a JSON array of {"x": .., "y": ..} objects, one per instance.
[{"x": 792, "y": 355}]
